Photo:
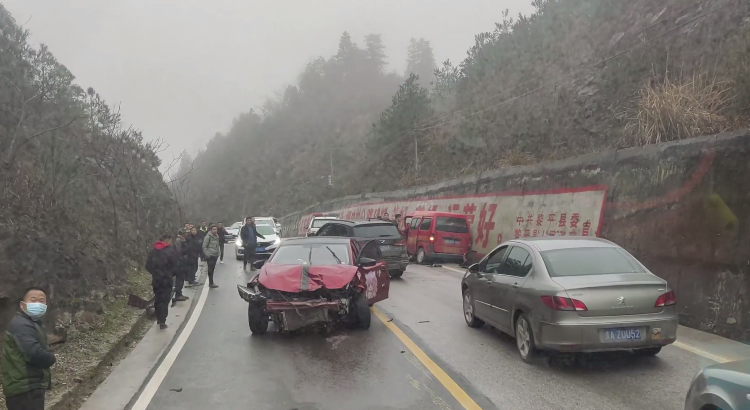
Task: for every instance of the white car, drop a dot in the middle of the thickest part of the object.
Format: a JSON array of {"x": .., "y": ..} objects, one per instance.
[
  {"x": 262, "y": 250},
  {"x": 269, "y": 220},
  {"x": 317, "y": 222}
]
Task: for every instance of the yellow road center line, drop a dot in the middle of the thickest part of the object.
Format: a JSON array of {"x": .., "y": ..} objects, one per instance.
[
  {"x": 701, "y": 352},
  {"x": 453, "y": 388},
  {"x": 454, "y": 269}
]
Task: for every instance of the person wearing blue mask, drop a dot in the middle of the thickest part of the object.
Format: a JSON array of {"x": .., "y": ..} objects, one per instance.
[{"x": 26, "y": 361}]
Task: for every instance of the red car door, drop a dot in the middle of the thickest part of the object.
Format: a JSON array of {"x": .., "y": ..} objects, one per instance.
[
  {"x": 376, "y": 277},
  {"x": 411, "y": 236}
]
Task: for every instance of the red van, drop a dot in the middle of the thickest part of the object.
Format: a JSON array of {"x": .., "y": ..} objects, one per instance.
[{"x": 440, "y": 236}]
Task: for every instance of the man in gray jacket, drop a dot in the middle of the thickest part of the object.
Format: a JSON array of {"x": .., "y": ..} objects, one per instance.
[{"x": 212, "y": 250}]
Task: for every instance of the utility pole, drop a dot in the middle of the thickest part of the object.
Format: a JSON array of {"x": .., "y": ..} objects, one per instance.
[
  {"x": 330, "y": 154},
  {"x": 416, "y": 150}
]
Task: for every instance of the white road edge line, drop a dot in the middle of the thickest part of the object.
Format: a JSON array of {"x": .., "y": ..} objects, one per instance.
[
  {"x": 153, "y": 385},
  {"x": 678, "y": 344}
]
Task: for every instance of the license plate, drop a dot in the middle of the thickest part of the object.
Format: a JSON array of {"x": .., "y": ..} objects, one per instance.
[
  {"x": 451, "y": 241},
  {"x": 385, "y": 248},
  {"x": 621, "y": 335},
  {"x": 260, "y": 249}
]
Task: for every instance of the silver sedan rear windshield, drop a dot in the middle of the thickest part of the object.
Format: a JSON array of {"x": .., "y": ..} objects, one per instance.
[{"x": 589, "y": 261}]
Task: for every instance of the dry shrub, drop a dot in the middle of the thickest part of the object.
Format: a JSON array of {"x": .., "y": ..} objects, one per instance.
[
  {"x": 514, "y": 157},
  {"x": 678, "y": 110}
]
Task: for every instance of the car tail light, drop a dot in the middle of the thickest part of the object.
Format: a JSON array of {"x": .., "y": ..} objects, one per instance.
[
  {"x": 561, "y": 303},
  {"x": 402, "y": 242},
  {"x": 432, "y": 239},
  {"x": 667, "y": 299}
]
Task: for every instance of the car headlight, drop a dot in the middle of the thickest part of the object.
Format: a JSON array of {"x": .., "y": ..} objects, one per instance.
[
  {"x": 238, "y": 242},
  {"x": 277, "y": 241}
]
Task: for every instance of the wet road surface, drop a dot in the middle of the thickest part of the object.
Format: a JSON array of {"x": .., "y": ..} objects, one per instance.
[{"x": 223, "y": 365}]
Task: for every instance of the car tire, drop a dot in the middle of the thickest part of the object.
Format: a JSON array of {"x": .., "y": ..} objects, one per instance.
[
  {"x": 525, "y": 339},
  {"x": 649, "y": 351},
  {"x": 257, "y": 318},
  {"x": 471, "y": 320},
  {"x": 421, "y": 256},
  {"x": 394, "y": 274},
  {"x": 362, "y": 312}
]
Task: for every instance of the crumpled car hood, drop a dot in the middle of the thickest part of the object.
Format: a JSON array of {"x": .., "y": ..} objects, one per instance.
[{"x": 300, "y": 278}]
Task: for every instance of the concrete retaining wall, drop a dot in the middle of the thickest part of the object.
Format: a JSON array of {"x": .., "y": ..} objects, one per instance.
[{"x": 682, "y": 208}]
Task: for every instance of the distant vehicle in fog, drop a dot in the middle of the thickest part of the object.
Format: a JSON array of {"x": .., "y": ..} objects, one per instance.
[
  {"x": 571, "y": 294},
  {"x": 438, "y": 236},
  {"x": 316, "y": 222}
]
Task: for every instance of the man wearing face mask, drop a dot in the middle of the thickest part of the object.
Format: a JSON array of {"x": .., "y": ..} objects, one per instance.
[{"x": 26, "y": 361}]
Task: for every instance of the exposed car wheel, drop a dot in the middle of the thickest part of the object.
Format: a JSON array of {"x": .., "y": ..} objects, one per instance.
[
  {"x": 257, "y": 318},
  {"x": 471, "y": 320},
  {"x": 395, "y": 273},
  {"x": 525, "y": 339},
  {"x": 649, "y": 351},
  {"x": 361, "y": 310},
  {"x": 421, "y": 257}
]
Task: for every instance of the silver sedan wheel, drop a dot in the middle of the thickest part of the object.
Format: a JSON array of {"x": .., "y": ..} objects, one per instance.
[
  {"x": 468, "y": 308},
  {"x": 523, "y": 337}
]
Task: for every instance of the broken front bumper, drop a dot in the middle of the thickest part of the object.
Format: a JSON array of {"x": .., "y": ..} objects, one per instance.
[{"x": 296, "y": 314}]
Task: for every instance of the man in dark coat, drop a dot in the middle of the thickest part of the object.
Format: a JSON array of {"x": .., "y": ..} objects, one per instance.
[
  {"x": 249, "y": 235},
  {"x": 162, "y": 263},
  {"x": 222, "y": 240},
  {"x": 26, "y": 359},
  {"x": 183, "y": 268},
  {"x": 195, "y": 250}
]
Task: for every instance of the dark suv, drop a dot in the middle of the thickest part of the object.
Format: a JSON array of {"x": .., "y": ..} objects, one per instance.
[{"x": 392, "y": 244}]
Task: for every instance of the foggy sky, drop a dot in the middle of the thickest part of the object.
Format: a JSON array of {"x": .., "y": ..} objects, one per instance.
[{"x": 183, "y": 69}]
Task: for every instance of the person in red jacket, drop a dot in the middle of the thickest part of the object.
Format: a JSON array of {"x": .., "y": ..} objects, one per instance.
[{"x": 162, "y": 264}]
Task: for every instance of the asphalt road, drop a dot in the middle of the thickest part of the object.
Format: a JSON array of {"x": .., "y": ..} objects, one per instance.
[{"x": 223, "y": 366}]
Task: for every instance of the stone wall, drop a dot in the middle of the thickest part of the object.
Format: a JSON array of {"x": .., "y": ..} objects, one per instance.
[{"x": 682, "y": 208}]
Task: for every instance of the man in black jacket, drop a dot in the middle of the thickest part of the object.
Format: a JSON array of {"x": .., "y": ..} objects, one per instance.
[
  {"x": 181, "y": 248},
  {"x": 162, "y": 263},
  {"x": 222, "y": 240},
  {"x": 249, "y": 235},
  {"x": 26, "y": 359}
]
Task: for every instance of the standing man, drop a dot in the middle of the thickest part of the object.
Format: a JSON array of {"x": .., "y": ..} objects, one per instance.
[
  {"x": 26, "y": 359},
  {"x": 397, "y": 222},
  {"x": 222, "y": 239},
  {"x": 202, "y": 231},
  {"x": 181, "y": 248},
  {"x": 195, "y": 250},
  {"x": 161, "y": 264},
  {"x": 386, "y": 217},
  {"x": 211, "y": 250},
  {"x": 249, "y": 235}
]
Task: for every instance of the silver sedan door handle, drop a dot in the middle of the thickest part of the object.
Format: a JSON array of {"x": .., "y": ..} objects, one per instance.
[{"x": 515, "y": 285}]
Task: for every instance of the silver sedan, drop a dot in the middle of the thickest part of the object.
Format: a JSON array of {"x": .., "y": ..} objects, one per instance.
[{"x": 572, "y": 294}]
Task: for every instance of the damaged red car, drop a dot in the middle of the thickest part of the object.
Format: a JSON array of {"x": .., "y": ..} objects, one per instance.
[{"x": 316, "y": 282}]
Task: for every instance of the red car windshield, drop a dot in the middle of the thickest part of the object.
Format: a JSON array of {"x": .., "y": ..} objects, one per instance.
[{"x": 311, "y": 254}]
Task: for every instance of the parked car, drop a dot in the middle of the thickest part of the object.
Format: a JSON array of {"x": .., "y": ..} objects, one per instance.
[
  {"x": 724, "y": 386},
  {"x": 269, "y": 220},
  {"x": 572, "y": 294},
  {"x": 265, "y": 246},
  {"x": 438, "y": 236},
  {"x": 316, "y": 222},
  {"x": 319, "y": 281},
  {"x": 392, "y": 244}
]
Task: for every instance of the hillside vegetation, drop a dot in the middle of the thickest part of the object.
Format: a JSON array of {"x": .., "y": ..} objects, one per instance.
[
  {"x": 574, "y": 77},
  {"x": 81, "y": 195}
]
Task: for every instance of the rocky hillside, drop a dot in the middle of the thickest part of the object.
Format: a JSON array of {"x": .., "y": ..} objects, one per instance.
[
  {"x": 577, "y": 76},
  {"x": 81, "y": 195}
]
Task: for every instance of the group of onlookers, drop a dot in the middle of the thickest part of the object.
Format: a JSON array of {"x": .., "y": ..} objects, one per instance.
[{"x": 173, "y": 261}]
